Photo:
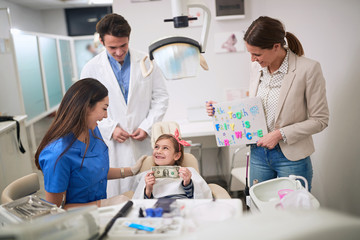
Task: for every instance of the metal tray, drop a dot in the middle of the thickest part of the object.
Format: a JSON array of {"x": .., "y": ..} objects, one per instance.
[{"x": 30, "y": 207}]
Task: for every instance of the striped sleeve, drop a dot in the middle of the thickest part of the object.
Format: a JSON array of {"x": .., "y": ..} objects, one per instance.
[
  {"x": 146, "y": 197},
  {"x": 189, "y": 189}
]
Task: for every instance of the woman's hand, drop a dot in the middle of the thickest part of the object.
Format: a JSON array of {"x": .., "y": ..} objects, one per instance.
[
  {"x": 209, "y": 108},
  {"x": 185, "y": 174},
  {"x": 149, "y": 182},
  {"x": 270, "y": 140}
]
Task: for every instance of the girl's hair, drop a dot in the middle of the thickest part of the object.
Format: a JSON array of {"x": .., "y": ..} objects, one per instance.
[
  {"x": 264, "y": 32},
  {"x": 71, "y": 117},
  {"x": 178, "y": 147}
]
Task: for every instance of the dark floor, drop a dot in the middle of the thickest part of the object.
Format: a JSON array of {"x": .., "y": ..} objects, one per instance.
[{"x": 216, "y": 180}]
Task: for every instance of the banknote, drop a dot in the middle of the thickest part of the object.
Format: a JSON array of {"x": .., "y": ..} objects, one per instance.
[{"x": 166, "y": 171}]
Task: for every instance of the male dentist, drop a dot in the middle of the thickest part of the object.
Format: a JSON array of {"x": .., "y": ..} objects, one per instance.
[{"x": 136, "y": 103}]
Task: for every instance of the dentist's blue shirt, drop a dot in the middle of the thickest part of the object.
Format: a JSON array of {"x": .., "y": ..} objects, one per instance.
[
  {"x": 122, "y": 73},
  {"x": 82, "y": 184}
]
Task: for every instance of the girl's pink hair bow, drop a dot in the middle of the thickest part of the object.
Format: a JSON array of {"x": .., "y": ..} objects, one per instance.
[{"x": 182, "y": 142}]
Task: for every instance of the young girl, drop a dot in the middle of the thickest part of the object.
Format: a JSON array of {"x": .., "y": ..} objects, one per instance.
[{"x": 169, "y": 151}]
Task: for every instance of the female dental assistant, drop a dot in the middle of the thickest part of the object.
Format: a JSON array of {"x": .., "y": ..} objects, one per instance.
[{"x": 73, "y": 156}]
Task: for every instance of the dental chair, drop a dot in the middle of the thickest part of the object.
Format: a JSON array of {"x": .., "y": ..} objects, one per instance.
[
  {"x": 189, "y": 160},
  {"x": 21, "y": 187},
  {"x": 238, "y": 170}
]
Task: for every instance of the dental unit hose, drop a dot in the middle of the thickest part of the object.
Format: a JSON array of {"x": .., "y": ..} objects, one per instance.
[{"x": 294, "y": 177}]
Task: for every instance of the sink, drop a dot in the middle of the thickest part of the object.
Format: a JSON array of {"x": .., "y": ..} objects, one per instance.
[{"x": 264, "y": 196}]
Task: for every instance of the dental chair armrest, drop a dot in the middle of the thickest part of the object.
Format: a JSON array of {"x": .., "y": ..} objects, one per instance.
[
  {"x": 218, "y": 192},
  {"x": 128, "y": 194}
]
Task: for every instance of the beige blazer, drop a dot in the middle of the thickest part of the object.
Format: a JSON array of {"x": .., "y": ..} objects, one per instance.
[{"x": 302, "y": 108}]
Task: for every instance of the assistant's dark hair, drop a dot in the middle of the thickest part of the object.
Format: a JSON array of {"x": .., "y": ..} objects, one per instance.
[
  {"x": 178, "y": 147},
  {"x": 264, "y": 32},
  {"x": 113, "y": 24},
  {"x": 71, "y": 117}
]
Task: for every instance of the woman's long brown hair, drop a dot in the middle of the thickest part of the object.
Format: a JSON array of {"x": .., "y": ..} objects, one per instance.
[{"x": 71, "y": 117}]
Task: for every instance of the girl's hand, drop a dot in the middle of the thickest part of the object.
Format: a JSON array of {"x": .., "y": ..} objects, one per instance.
[
  {"x": 185, "y": 174},
  {"x": 149, "y": 181},
  {"x": 209, "y": 108}
]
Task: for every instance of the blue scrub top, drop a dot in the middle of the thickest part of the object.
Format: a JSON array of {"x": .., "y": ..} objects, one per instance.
[{"x": 82, "y": 185}]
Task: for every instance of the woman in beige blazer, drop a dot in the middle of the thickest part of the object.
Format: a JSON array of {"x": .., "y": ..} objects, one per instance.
[{"x": 292, "y": 90}]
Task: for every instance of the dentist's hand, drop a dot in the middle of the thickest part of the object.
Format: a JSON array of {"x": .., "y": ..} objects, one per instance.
[
  {"x": 139, "y": 134},
  {"x": 136, "y": 168},
  {"x": 209, "y": 108},
  {"x": 120, "y": 135}
]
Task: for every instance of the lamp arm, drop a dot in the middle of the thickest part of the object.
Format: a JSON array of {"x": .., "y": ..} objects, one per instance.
[
  {"x": 206, "y": 24},
  {"x": 179, "y": 8}
]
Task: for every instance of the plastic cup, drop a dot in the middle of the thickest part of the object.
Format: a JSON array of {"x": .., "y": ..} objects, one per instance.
[{"x": 283, "y": 192}]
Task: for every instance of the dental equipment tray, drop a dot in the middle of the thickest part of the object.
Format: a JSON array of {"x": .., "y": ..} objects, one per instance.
[
  {"x": 163, "y": 228},
  {"x": 30, "y": 207}
]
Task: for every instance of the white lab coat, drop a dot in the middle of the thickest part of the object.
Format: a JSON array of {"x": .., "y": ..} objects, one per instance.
[{"x": 147, "y": 104}]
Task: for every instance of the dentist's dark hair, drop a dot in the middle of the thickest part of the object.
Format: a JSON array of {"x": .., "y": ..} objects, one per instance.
[
  {"x": 264, "y": 32},
  {"x": 113, "y": 24},
  {"x": 71, "y": 117}
]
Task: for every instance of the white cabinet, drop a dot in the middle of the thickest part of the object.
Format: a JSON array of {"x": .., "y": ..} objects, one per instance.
[{"x": 13, "y": 163}]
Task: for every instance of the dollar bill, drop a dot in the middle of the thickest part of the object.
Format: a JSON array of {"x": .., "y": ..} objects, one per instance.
[{"x": 166, "y": 171}]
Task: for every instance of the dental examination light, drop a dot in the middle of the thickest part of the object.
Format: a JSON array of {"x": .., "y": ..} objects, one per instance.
[{"x": 177, "y": 56}]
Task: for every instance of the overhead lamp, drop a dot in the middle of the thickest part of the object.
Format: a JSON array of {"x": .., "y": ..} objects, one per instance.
[{"x": 177, "y": 56}]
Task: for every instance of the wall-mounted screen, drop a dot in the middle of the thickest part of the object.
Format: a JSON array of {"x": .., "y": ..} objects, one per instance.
[
  {"x": 229, "y": 9},
  {"x": 82, "y": 21}
]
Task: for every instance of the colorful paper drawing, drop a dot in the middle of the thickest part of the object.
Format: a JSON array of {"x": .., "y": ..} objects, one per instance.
[{"x": 239, "y": 122}]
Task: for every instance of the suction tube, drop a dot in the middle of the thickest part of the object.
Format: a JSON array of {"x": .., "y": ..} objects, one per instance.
[{"x": 294, "y": 177}]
